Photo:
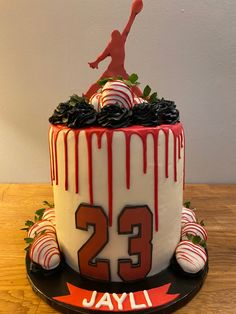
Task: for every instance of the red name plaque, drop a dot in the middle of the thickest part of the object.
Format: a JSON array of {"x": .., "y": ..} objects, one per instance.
[{"x": 130, "y": 301}]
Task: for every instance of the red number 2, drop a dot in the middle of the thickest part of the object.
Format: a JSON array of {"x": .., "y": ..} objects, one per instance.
[
  {"x": 140, "y": 244},
  {"x": 86, "y": 216}
]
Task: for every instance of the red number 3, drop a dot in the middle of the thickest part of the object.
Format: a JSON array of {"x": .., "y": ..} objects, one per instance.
[{"x": 140, "y": 244}]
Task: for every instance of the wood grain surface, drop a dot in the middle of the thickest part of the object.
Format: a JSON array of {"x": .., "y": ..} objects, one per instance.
[{"x": 216, "y": 204}]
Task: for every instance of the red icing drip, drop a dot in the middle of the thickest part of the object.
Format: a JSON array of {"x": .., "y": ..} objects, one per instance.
[
  {"x": 66, "y": 159},
  {"x": 50, "y": 137},
  {"x": 177, "y": 150},
  {"x": 55, "y": 137},
  {"x": 99, "y": 138},
  {"x": 76, "y": 135},
  {"x": 184, "y": 147},
  {"x": 179, "y": 138},
  {"x": 182, "y": 140},
  {"x": 90, "y": 165},
  {"x": 140, "y": 131},
  {"x": 127, "y": 141},
  {"x": 166, "y": 131},
  {"x": 155, "y": 140},
  {"x": 144, "y": 140},
  {"x": 109, "y": 135}
]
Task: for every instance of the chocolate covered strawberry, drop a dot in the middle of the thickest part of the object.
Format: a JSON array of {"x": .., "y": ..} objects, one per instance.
[
  {"x": 95, "y": 101},
  {"x": 41, "y": 226},
  {"x": 44, "y": 251},
  {"x": 49, "y": 214},
  {"x": 117, "y": 92},
  {"x": 188, "y": 215},
  {"x": 191, "y": 257},
  {"x": 193, "y": 229}
]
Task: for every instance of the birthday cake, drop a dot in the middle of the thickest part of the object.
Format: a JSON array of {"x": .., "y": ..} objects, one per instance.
[{"x": 117, "y": 157}]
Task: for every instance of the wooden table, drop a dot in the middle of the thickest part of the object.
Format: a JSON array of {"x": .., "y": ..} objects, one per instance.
[{"x": 216, "y": 204}]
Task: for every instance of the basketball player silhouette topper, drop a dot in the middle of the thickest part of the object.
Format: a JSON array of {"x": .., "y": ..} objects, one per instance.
[{"x": 116, "y": 50}]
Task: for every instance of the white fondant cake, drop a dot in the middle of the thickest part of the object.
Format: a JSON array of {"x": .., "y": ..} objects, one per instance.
[{"x": 118, "y": 198}]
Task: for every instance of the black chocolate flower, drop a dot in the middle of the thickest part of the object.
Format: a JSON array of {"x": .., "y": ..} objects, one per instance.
[
  {"x": 145, "y": 114},
  {"x": 81, "y": 115},
  {"x": 167, "y": 112},
  {"x": 75, "y": 113},
  {"x": 114, "y": 116},
  {"x": 60, "y": 115}
]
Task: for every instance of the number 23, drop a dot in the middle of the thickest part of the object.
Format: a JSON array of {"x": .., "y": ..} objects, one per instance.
[{"x": 140, "y": 244}]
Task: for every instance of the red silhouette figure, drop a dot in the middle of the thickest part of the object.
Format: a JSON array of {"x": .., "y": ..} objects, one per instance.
[{"x": 116, "y": 50}]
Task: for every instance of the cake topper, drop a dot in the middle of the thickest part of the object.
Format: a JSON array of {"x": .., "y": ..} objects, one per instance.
[{"x": 116, "y": 50}]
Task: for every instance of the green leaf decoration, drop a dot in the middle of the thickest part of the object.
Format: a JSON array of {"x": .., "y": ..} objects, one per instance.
[
  {"x": 103, "y": 81},
  {"x": 46, "y": 203},
  {"x": 29, "y": 223},
  {"x": 128, "y": 83},
  {"x": 131, "y": 81},
  {"x": 29, "y": 240},
  {"x": 187, "y": 204},
  {"x": 147, "y": 91},
  {"x": 153, "y": 98},
  {"x": 25, "y": 229},
  {"x": 196, "y": 240},
  {"x": 133, "y": 78},
  {"x": 75, "y": 99},
  {"x": 202, "y": 223},
  {"x": 39, "y": 213}
]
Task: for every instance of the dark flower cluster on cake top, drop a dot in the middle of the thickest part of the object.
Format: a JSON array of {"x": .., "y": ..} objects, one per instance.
[
  {"x": 75, "y": 113},
  {"x": 114, "y": 116},
  {"x": 78, "y": 113}
]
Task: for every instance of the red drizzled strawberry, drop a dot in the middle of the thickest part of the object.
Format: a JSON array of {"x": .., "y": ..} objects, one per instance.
[
  {"x": 39, "y": 227},
  {"x": 95, "y": 101},
  {"x": 49, "y": 214},
  {"x": 191, "y": 257},
  {"x": 45, "y": 252},
  {"x": 194, "y": 229},
  {"x": 188, "y": 215},
  {"x": 117, "y": 92}
]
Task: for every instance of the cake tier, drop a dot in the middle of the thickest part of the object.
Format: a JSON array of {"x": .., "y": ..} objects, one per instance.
[{"x": 118, "y": 198}]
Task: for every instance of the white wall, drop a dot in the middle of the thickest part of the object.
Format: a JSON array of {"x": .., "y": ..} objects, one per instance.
[{"x": 185, "y": 49}]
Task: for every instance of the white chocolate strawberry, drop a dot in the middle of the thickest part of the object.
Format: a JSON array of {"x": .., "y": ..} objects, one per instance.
[
  {"x": 117, "y": 92},
  {"x": 194, "y": 229},
  {"x": 191, "y": 257},
  {"x": 41, "y": 226},
  {"x": 49, "y": 214},
  {"x": 95, "y": 101},
  {"x": 139, "y": 100},
  {"x": 45, "y": 252},
  {"x": 187, "y": 216}
]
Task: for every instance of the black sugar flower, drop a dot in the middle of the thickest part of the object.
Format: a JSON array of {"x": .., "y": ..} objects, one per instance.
[
  {"x": 167, "y": 112},
  {"x": 81, "y": 115},
  {"x": 114, "y": 116},
  {"x": 75, "y": 113},
  {"x": 60, "y": 115},
  {"x": 145, "y": 114}
]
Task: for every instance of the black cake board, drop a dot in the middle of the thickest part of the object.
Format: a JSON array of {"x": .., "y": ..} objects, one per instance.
[{"x": 49, "y": 286}]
